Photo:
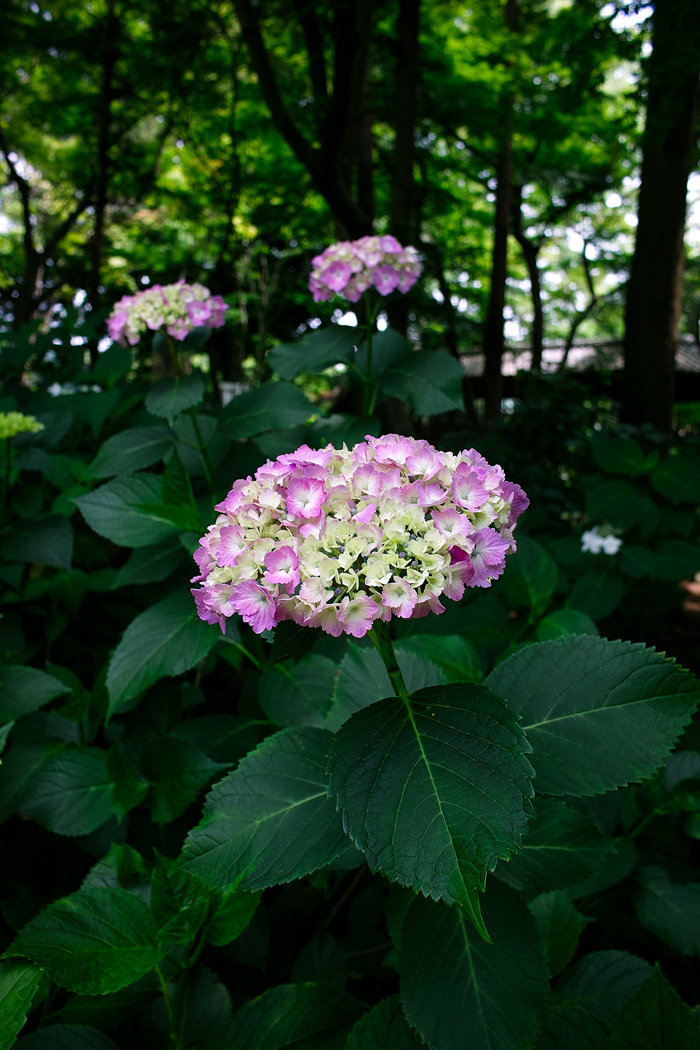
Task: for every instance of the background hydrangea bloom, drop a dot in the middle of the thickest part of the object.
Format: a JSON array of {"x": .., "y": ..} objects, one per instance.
[
  {"x": 176, "y": 307},
  {"x": 340, "y": 538},
  {"x": 349, "y": 268}
]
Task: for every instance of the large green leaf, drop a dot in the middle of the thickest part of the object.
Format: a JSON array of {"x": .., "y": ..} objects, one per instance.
[
  {"x": 151, "y": 564},
  {"x": 295, "y": 1015},
  {"x": 270, "y": 820},
  {"x": 430, "y": 381},
  {"x": 598, "y": 592},
  {"x": 43, "y": 541},
  {"x": 166, "y": 639},
  {"x": 598, "y": 714},
  {"x": 619, "y": 455},
  {"x": 114, "y": 511},
  {"x": 670, "y": 910},
  {"x": 301, "y": 695},
  {"x": 602, "y": 982},
  {"x": 170, "y": 397},
  {"x": 563, "y": 848},
  {"x": 67, "y": 1037},
  {"x": 677, "y": 478},
  {"x": 531, "y": 577},
  {"x": 562, "y": 622},
  {"x": 132, "y": 450},
  {"x": 316, "y": 351},
  {"x": 18, "y": 768},
  {"x": 567, "y": 1027},
  {"x": 95, "y": 941},
  {"x": 433, "y": 790},
  {"x": 72, "y": 793},
  {"x": 460, "y": 992},
  {"x": 18, "y": 983},
  {"x": 384, "y": 1028},
  {"x": 655, "y": 1018},
  {"x": 24, "y": 689},
  {"x": 273, "y": 406},
  {"x": 177, "y": 772},
  {"x": 292, "y": 641},
  {"x": 455, "y": 656}
]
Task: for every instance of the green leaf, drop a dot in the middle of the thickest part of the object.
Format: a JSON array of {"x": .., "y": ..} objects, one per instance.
[
  {"x": 67, "y": 1037},
  {"x": 179, "y": 902},
  {"x": 18, "y": 767},
  {"x": 637, "y": 562},
  {"x": 182, "y": 516},
  {"x": 571, "y": 1027},
  {"x": 455, "y": 656},
  {"x": 18, "y": 984},
  {"x": 619, "y": 455},
  {"x": 301, "y": 695},
  {"x": 24, "y": 689},
  {"x": 225, "y": 738},
  {"x": 5, "y": 731},
  {"x": 176, "y": 487},
  {"x": 112, "y": 364},
  {"x": 45, "y": 541},
  {"x": 563, "y": 622},
  {"x": 302, "y": 1016},
  {"x": 602, "y": 982},
  {"x": 384, "y": 1028},
  {"x": 433, "y": 790},
  {"x": 531, "y": 577},
  {"x": 677, "y": 478},
  {"x": 563, "y": 848},
  {"x": 598, "y": 714},
  {"x": 232, "y": 916},
  {"x": 131, "y": 450},
  {"x": 559, "y": 926},
  {"x": 128, "y": 790},
  {"x": 655, "y": 1018},
  {"x": 114, "y": 511},
  {"x": 676, "y": 560},
  {"x": 177, "y": 772},
  {"x": 273, "y": 406},
  {"x": 617, "y": 502},
  {"x": 292, "y": 641},
  {"x": 460, "y": 992},
  {"x": 668, "y": 909},
  {"x": 270, "y": 821},
  {"x": 168, "y": 398},
  {"x": 598, "y": 592},
  {"x": 151, "y": 564},
  {"x": 315, "y": 352},
  {"x": 93, "y": 942},
  {"x": 166, "y": 639},
  {"x": 430, "y": 381},
  {"x": 122, "y": 867},
  {"x": 72, "y": 792}
]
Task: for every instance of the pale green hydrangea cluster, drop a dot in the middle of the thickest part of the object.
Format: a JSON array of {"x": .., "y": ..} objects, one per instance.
[{"x": 13, "y": 423}]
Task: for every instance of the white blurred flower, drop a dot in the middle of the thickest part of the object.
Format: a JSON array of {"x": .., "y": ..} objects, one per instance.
[{"x": 600, "y": 541}]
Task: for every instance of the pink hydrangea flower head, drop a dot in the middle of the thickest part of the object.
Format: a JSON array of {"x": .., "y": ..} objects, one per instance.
[
  {"x": 178, "y": 308},
  {"x": 339, "y": 539},
  {"x": 349, "y": 268}
]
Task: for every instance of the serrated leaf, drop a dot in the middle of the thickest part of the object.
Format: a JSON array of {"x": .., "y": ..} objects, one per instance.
[
  {"x": 270, "y": 820},
  {"x": 559, "y": 926},
  {"x": 67, "y": 1037},
  {"x": 72, "y": 792},
  {"x": 598, "y": 714},
  {"x": 151, "y": 564},
  {"x": 460, "y": 992},
  {"x": 655, "y": 1018},
  {"x": 602, "y": 982},
  {"x": 18, "y": 983},
  {"x": 177, "y": 772},
  {"x": 95, "y": 941},
  {"x": 273, "y": 406},
  {"x": 131, "y": 450},
  {"x": 384, "y": 1028},
  {"x": 44, "y": 541},
  {"x": 668, "y": 909},
  {"x": 563, "y": 848},
  {"x": 166, "y": 639},
  {"x": 295, "y": 1015},
  {"x": 169, "y": 397},
  {"x": 24, "y": 689},
  {"x": 433, "y": 789},
  {"x": 315, "y": 352},
  {"x": 113, "y": 511},
  {"x": 430, "y": 381}
]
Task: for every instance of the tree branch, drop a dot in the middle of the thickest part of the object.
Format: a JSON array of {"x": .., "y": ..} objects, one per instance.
[{"x": 308, "y": 19}]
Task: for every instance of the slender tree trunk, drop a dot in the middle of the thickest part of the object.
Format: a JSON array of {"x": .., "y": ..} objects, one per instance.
[
  {"x": 103, "y": 145},
  {"x": 530, "y": 250},
  {"x": 493, "y": 327},
  {"x": 654, "y": 290},
  {"x": 494, "y": 340},
  {"x": 407, "y": 67}
]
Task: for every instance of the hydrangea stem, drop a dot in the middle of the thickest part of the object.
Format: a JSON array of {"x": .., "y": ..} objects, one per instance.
[{"x": 381, "y": 640}]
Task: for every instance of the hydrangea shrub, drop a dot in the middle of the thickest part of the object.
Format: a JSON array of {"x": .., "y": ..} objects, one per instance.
[
  {"x": 350, "y": 268},
  {"x": 176, "y": 308}
]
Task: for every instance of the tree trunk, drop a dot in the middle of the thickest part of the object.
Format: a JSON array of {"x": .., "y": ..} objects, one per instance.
[
  {"x": 494, "y": 341},
  {"x": 530, "y": 250},
  {"x": 407, "y": 66},
  {"x": 654, "y": 290}
]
